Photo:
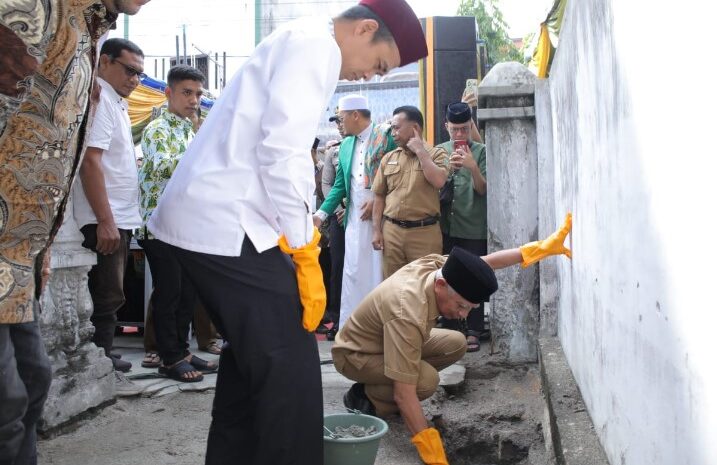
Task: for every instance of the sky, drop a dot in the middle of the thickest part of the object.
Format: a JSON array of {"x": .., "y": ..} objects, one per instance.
[
  {"x": 228, "y": 25},
  {"x": 522, "y": 16}
]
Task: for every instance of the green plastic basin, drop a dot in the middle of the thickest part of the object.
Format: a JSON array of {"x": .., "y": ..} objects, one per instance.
[{"x": 352, "y": 451}]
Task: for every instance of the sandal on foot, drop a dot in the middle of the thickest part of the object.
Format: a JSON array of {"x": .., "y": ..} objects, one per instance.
[
  {"x": 473, "y": 341},
  {"x": 202, "y": 365},
  {"x": 179, "y": 370},
  {"x": 212, "y": 348},
  {"x": 151, "y": 360}
]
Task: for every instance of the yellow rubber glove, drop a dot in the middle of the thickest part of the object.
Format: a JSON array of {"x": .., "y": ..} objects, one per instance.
[
  {"x": 430, "y": 448},
  {"x": 553, "y": 245},
  {"x": 309, "y": 278}
]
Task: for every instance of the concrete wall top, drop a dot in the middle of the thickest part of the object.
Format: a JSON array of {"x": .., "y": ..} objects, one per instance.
[{"x": 506, "y": 80}]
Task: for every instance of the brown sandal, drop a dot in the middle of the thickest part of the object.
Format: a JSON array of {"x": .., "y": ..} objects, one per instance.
[
  {"x": 202, "y": 365},
  {"x": 182, "y": 371},
  {"x": 472, "y": 341},
  {"x": 151, "y": 360},
  {"x": 213, "y": 348}
]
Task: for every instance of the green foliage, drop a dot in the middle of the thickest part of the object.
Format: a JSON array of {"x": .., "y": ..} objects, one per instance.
[{"x": 492, "y": 28}]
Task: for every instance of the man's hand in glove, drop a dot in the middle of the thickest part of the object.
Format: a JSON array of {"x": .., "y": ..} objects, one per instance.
[
  {"x": 553, "y": 245},
  {"x": 429, "y": 446},
  {"x": 309, "y": 278}
]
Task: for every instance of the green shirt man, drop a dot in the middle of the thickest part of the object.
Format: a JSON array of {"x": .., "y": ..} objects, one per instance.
[
  {"x": 464, "y": 220},
  {"x": 466, "y": 217}
]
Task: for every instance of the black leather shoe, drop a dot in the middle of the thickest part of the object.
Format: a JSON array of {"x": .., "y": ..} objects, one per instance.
[
  {"x": 322, "y": 329},
  {"x": 121, "y": 365},
  {"x": 355, "y": 399},
  {"x": 331, "y": 334}
]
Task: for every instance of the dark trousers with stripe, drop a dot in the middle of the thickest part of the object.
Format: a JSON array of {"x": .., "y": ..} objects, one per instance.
[
  {"x": 268, "y": 406},
  {"x": 336, "y": 247}
]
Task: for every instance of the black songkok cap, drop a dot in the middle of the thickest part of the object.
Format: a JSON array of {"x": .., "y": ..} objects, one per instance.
[
  {"x": 471, "y": 277},
  {"x": 458, "y": 113}
]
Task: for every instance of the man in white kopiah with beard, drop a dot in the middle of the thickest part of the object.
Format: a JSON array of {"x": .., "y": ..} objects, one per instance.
[{"x": 362, "y": 264}]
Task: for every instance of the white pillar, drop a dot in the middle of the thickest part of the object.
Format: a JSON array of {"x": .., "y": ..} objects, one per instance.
[
  {"x": 82, "y": 377},
  {"x": 506, "y": 109}
]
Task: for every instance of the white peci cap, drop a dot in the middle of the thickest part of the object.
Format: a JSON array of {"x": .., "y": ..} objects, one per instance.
[{"x": 353, "y": 102}]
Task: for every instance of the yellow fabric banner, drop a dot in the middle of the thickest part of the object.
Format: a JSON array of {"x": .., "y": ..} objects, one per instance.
[
  {"x": 141, "y": 102},
  {"x": 541, "y": 57},
  {"x": 548, "y": 40}
]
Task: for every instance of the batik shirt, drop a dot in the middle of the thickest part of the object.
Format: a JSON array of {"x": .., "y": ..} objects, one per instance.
[
  {"x": 47, "y": 57},
  {"x": 164, "y": 141},
  {"x": 380, "y": 142}
]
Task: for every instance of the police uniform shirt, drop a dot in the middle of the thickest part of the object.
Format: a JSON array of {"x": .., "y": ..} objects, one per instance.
[
  {"x": 395, "y": 320},
  {"x": 409, "y": 195}
]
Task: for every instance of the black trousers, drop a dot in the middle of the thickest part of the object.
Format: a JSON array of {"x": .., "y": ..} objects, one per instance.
[
  {"x": 268, "y": 406},
  {"x": 106, "y": 283},
  {"x": 25, "y": 380},
  {"x": 336, "y": 245},
  {"x": 476, "y": 317},
  {"x": 173, "y": 301}
]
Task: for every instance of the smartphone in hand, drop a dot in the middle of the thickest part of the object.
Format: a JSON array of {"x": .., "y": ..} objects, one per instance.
[{"x": 461, "y": 144}]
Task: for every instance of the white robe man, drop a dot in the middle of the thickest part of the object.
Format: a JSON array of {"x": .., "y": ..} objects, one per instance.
[{"x": 362, "y": 265}]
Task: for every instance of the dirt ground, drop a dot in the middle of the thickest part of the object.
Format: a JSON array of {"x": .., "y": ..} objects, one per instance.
[{"x": 494, "y": 418}]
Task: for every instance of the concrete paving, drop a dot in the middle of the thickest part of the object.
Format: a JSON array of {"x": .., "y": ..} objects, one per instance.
[
  {"x": 149, "y": 380},
  {"x": 134, "y": 424},
  {"x": 572, "y": 435},
  {"x": 153, "y": 384},
  {"x": 488, "y": 413}
]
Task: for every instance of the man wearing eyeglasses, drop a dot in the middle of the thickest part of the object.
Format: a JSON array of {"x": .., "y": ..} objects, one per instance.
[
  {"x": 464, "y": 220},
  {"x": 106, "y": 202}
]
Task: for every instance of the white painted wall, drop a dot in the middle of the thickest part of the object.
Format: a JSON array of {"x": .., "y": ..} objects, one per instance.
[{"x": 634, "y": 126}]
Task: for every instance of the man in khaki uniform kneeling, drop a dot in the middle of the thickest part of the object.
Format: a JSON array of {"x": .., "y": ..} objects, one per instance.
[{"x": 390, "y": 345}]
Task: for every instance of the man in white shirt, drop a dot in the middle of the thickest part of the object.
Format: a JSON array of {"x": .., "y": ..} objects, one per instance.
[
  {"x": 106, "y": 202},
  {"x": 362, "y": 265},
  {"x": 246, "y": 184}
]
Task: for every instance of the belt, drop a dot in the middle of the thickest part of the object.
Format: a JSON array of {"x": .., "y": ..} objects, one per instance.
[{"x": 413, "y": 224}]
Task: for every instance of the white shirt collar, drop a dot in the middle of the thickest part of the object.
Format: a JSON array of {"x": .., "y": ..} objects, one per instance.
[
  {"x": 106, "y": 87},
  {"x": 365, "y": 133}
]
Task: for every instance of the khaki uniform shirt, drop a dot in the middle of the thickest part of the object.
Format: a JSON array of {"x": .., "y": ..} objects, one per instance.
[
  {"x": 395, "y": 319},
  {"x": 48, "y": 56},
  {"x": 409, "y": 195}
]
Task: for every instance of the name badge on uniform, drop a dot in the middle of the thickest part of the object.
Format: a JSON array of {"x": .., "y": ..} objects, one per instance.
[{"x": 392, "y": 163}]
